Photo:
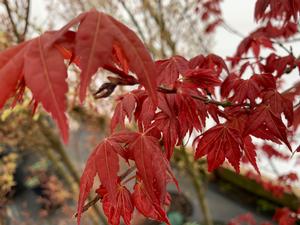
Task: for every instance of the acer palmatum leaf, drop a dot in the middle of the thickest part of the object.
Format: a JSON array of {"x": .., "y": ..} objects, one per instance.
[
  {"x": 245, "y": 89},
  {"x": 118, "y": 117},
  {"x": 170, "y": 129},
  {"x": 11, "y": 71},
  {"x": 145, "y": 206},
  {"x": 103, "y": 161},
  {"x": 95, "y": 50},
  {"x": 151, "y": 166},
  {"x": 86, "y": 183},
  {"x": 250, "y": 153},
  {"x": 279, "y": 104},
  {"x": 45, "y": 75},
  {"x": 123, "y": 207},
  {"x": 201, "y": 78},
  {"x": 108, "y": 166},
  {"x": 218, "y": 143},
  {"x": 147, "y": 114},
  {"x": 263, "y": 117},
  {"x": 170, "y": 69}
]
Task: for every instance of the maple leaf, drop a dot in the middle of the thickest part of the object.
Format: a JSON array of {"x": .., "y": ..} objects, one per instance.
[
  {"x": 228, "y": 84},
  {"x": 279, "y": 104},
  {"x": 124, "y": 108},
  {"x": 147, "y": 113},
  {"x": 284, "y": 31},
  {"x": 86, "y": 183},
  {"x": 280, "y": 64},
  {"x": 103, "y": 161},
  {"x": 277, "y": 9},
  {"x": 254, "y": 41},
  {"x": 144, "y": 205},
  {"x": 11, "y": 70},
  {"x": 239, "y": 121},
  {"x": 150, "y": 164},
  {"x": 191, "y": 113},
  {"x": 265, "y": 80},
  {"x": 123, "y": 207},
  {"x": 47, "y": 79},
  {"x": 218, "y": 143},
  {"x": 170, "y": 128},
  {"x": 96, "y": 49},
  {"x": 250, "y": 153},
  {"x": 245, "y": 89},
  {"x": 212, "y": 26},
  {"x": 289, "y": 177},
  {"x": 170, "y": 69},
  {"x": 108, "y": 165},
  {"x": 201, "y": 78},
  {"x": 263, "y": 116},
  {"x": 283, "y": 216},
  {"x": 211, "y": 61}
]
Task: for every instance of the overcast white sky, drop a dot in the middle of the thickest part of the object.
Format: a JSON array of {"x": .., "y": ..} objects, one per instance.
[{"x": 239, "y": 15}]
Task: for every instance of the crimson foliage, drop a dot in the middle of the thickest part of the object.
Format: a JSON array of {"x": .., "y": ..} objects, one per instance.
[{"x": 174, "y": 98}]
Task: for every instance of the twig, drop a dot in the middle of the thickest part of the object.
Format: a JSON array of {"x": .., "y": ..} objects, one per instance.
[
  {"x": 165, "y": 33},
  {"x": 202, "y": 98},
  {"x": 105, "y": 90},
  {"x": 14, "y": 27},
  {"x": 89, "y": 204},
  {"x": 134, "y": 21},
  {"x": 26, "y": 19},
  {"x": 231, "y": 29},
  {"x": 283, "y": 47}
]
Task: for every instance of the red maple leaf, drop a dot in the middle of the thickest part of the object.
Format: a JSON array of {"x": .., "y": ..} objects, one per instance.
[
  {"x": 145, "y": 206},
  {"x": 278, "y": 9},
  {"x": 245, "y": 89},
  {"x": 283, "y": 216},
  {"x": 263, "y": 117},
  {"x": 169, "y": 125},
  {"x": 91, "y": 50},
  {"x": 211, "y": 61},
  {"x": 218, "y": 143},
  {"x": 124, "y": 108},
  {"x": 96, "y": 50},
  {"x": 103, "y": 161},
  {"x": 151, "y": 165},
  {"x": 122, "y": 207},
  {"x": 170, "y": 69},
  {"x": 11, "y": 70},
  {"x": 279, "y": 104},
  {"x": 47, "y": 79},
  {"x": 254, "y": 41}
]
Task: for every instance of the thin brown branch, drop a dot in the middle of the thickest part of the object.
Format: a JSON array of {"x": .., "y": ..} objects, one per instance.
[
  {"x": 202, "y": 98},
  {"x": 12, "y": 22},
  {"x": 107, "y": 89},
  {"x": 133, "y": 20},
  {"x": 166, "y": 34},
  {"x": 162, "y": 28},
  {"x": 26, "y": 19},
  {"x": 283, "y": 47}
]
